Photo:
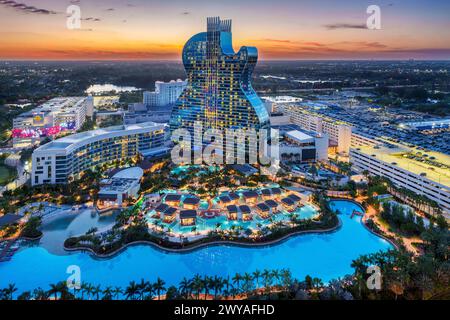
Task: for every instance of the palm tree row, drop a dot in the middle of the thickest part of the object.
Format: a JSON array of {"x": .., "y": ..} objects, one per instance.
[{"x": 199, "y": 287}]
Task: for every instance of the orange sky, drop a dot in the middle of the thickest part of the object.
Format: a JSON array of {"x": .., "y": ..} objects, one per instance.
[{"x": 138, "y": 29}]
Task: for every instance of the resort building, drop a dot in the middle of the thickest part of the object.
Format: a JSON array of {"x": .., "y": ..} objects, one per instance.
[
  {"x": 191, "y": 202},
  {"x": 232, "y": 212},
  {"x": 426, "y": 174},
  {"x": 245, "y": 213},
  {"x": 250, "y": 196},
  {"x": 165, "y": 94},
  {"x": 219, "y": 93},
  {"x": 188, "y": 217},
  {"x": 124, "y": 184},
  {"x": 263, "y": 210},
  {"x": 160, "y": 209},
  {"x": 339, "y": 132},
  {"x": 360, "y": 139},
  {"x": 288, "y": 203},
  {"x": 273, "y": 205},
  {"x": 65, "y": 159},
  {"x": 169, "y": 215},
  {"x": 173, "y": 200},
  {"x": 305, "y": 147},
  {"x": 56, "y": 116}
]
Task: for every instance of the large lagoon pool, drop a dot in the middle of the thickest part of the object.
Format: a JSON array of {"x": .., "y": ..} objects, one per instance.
[{"x": 326, "y": 256}]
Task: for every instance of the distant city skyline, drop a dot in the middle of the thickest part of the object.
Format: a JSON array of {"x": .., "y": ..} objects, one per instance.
[{"x": 289, "y": 30}]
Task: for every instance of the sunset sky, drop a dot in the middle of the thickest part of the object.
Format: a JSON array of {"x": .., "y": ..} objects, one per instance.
[{"x": 281, "y": 29}]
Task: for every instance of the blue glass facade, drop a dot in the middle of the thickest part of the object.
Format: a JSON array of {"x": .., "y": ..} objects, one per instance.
[{"x": 219, "y": 93}]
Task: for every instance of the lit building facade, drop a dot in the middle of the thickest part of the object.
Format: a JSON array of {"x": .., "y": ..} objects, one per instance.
[
  {"x": 56, "y": 116},
  {"x": 64, "y": 159},
  {"x": 401, "y": 164},
  {"x": 340, "y": 133},
  {"x": 219, "y": 93},
  {"x": 166, "y": 93}
]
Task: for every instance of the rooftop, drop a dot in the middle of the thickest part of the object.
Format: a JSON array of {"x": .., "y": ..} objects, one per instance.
[
  {"x": 433, "y": 165},
  {"x": 186, "y": 214},
  {"x": 245, "y": 209},
  {"x": 66, "y": 142},
  {"x": 299, "y": 136}
]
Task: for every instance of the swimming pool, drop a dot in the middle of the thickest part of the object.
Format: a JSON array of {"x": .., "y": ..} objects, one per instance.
[{"x": 326, "y": 256}]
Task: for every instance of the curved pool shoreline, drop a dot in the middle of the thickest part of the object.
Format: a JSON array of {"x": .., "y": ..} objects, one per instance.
[
  {"x": 326, "y": 255},
  {"x": 199, "y": 246}
]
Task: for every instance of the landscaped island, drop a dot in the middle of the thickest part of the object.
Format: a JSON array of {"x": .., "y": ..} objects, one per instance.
[{"x": 178, "y": 221}]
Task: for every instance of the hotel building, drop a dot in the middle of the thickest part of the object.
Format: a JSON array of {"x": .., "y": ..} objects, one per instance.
[
  {"x": 307, "y": 147},
  {"x": 427, "y": 175},
  {"x": 56, "y": 116},
  {"x": 219, "y": 93},
  {"x": 64, "y": 159},
  {"x": 340, "y": 133},
  {"x": 166, "y": 93}
]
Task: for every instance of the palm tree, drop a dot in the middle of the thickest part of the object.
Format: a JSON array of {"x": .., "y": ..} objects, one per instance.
[
  {"x": 256, "y": 276},
  {"x": 40, "y": 294},
  {"x": 159, "y": 286},
  {"x": 276, "y": 275},
  {"x": 149, "y": 291},
  {"x": 248, "y": 282},
  {"x": 226, "y": 284},
  {"x": 89, "y": 290},
  {"x": 142, "y": 286},
  {"x": 206, "y": 285},
  {"x": 268, "y": 277},
  {"x": 236, "y": 279},
  {"x": 54, "y": 289},
  {"x": 184, "y": 287},
  {"x": 97, "y": 291},
  {"x": 9, "y": 291},
  {"x": 117, "y": 291},
  {"x": 197, "y": 285},
  {"x": 107, "y": 293},
  {"x": 218, "y": 284},
  {"x": 131, "y": 290}
]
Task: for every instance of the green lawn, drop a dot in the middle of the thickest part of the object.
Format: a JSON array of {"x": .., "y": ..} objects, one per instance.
[{"x": 7, "y": 174}]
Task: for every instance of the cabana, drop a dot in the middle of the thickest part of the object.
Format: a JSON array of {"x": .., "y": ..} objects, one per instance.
[
  {"x": 263, "y": 210},
  {"x": 288, "y": 203},
  {"x": 232, "y": 212},
  {"x": 246, "y": 212},
  {"x": 173, "y": 200},
  {"x": 191, "y": 203},
  {"x": 296, "y": 199},
  {"x": 161, "y": 208},
  {"x": 250, "y": 196},
  {"x": 188, "y": 217},
  {"x": 169, "y": 215},
  {"x": 266, "y": 194},
  {"x": 276, "y": 192},
  {"x": 234, "y": 197},
  {"x": 224, "y": 200}
]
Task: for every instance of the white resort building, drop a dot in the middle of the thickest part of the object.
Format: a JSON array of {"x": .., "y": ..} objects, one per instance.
[{"x": 59, "y": 161}]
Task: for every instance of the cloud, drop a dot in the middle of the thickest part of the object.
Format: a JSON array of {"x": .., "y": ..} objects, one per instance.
[
  {"x": 91, "y": 19},
  {"x": 110, "y": 9},
  {"x": 25, "y": 8},
  {"x": 335, "y": 26},
  {"x": 185, "y": 13}
]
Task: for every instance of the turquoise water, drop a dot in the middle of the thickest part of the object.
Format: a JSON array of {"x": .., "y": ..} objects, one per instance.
[
  {"x": 326, "y": 256},
  {"x": 71, "y": 224}
]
